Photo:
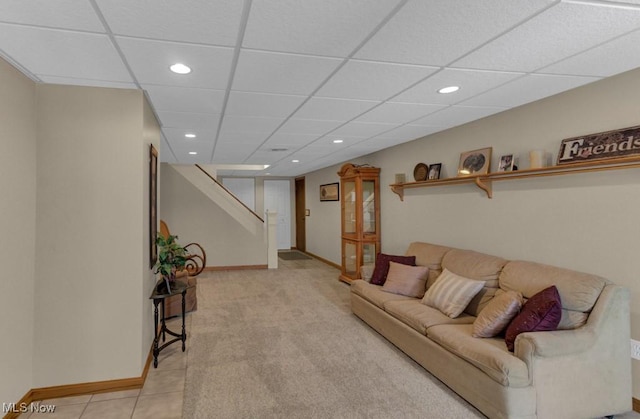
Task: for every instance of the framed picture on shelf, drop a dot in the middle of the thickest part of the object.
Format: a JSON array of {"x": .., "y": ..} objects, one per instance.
[
  {"x": 330, "y": 192},
  {"x": 475, "y": 162},
  {"x": 506, "y": 163},
  {"x": 434, "y": 171}
]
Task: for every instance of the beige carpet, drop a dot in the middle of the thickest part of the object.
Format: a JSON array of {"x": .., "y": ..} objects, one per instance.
[{"x": 284, "y": 344}]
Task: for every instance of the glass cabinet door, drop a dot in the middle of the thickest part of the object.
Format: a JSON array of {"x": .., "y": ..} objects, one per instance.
[
  {"x": 368, "y": 207},
  {"x": 369, "y": 253},
  {"x": 349, "y": 213},
  {"x": 350, "y": 258}
]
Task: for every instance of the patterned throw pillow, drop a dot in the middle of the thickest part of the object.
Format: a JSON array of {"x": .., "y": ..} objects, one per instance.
[
  {"x": 542, "y": 312},
  {"x": 496, "y": 315},
  {"x": 452, "y": 293},
  {"x": 382, "y": 266},
  {"x": 406, "y": 280}
]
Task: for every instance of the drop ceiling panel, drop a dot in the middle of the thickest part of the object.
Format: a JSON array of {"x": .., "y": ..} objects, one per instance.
[
  {"x": 242, "y": 139},
  {"x": 471, "y": 83},
  {"x": 308, "y": 126},
  {"x": 250, "y": 124},
  {"x": 362, "y": 129},
  {"x": 561, "y": 31},
  {"x": 150, "y": 61},
  {"x": 214, "y": 22},
  {"x": 457, "y": 115},
  {"x": 333, "y": 108},
  {"x": 398, "y": 113},
  {"x": 597, "y": 62},
  {"x": 407, "y": 133},
  {"x": 189, "y": 121},
  {"x": 328, "y": 27},
  {"x": 52, "y": 52},
  {"x": 373, "y": 80},
  {"x": 262, "y": 104},
  {"x": 289, "y": 140},
  {"x": 527, "y": 89},
  {"x": 180, "y": 99},
  {"x": 435, "y": 32},
  {"x": 70, "y": 14},
  {"x": 281, "y": 73},
  {"x": 175, "y": 136}
]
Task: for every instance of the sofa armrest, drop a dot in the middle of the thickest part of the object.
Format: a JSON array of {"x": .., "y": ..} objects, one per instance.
[{"x": 556, "y": 343}]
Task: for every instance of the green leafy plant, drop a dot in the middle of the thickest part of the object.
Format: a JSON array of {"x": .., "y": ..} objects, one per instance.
[{"x": 171, "y": 256}]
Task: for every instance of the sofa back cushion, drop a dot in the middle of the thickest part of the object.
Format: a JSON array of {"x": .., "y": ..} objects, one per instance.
[
  {"x": 478, "y": 266},
  {"x": 429, "y": 255},
  {"x": 578, "y": 291}
]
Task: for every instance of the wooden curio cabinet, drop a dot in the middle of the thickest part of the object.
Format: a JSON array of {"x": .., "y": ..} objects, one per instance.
[{"x": 360, "y": 205}]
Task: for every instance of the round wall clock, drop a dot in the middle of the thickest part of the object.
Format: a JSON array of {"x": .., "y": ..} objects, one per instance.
[{"x": 420, "y": 172}]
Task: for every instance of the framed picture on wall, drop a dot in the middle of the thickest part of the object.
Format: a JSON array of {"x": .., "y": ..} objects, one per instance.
[
  {"x": 153, "y": 205},
  {"x": 330, "y": 192},
  {"x": 475, "y": 162}
]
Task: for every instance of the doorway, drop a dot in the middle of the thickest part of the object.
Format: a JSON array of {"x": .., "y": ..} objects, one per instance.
[
  {"x": 277, "y": 197},
  {"x": 301, "y": 237}
]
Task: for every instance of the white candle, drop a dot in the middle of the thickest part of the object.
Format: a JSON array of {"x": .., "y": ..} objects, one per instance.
[{"x": 537, "y": 159}]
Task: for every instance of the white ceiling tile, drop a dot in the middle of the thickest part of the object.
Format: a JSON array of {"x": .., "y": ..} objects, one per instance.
[
  {"x": 250, "y": 124},
  {"x": 527, "y": 89},
  {"x": 242, "y": 138},
  {"x": 597, "y": 61},
  {"x": 308, "y": 126},
  {"x": 407, "y": 132},
  {"x": 372, "y": 80},
  {"x": 189, "y": 120},
  {"x": 471, "y": 83},
  {"x": 362, "y": 129},
  {"x": 281, "y": 73},
  {"x": 333, "y": 108},
  {"x": 175, "y": 136},
  {"x": 262, "y": 104},
  {"x": 180, "y": 99},
  {"x": 398, "y": 113},
  {"x": 86, "y": 82},
  {"x": 68, "y": 14},
  {"x": 288, "y": 140},
  {"x": 457, "y": 115},
  {"x": 213, "y": 22},
  {"x": 52, "y": 52},
  {"x": 150, "y": 62},
  {"x": 435, "y": 32},
  {"x": 561, "y": 31},
  {"x": 328, "y": 27}
]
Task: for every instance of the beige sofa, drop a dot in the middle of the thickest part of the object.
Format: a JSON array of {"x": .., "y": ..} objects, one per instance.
[{"x": 581, "y": 370}]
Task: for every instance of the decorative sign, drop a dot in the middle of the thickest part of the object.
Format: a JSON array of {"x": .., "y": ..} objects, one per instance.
[{"x": 604, "y": 145}]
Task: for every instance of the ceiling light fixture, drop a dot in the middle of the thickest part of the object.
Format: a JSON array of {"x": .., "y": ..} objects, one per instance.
[
  {"x": 449, "y": 89},
  {"x": 193, "y": 153},
  {"x": 190, "y": 135},
  {"x": 295, "y": 161},
  {"x": 180, "y": 68},
  {"x": 338, "y": 141}
]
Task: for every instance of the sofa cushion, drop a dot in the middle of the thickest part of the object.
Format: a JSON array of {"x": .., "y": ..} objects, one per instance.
[
  {"x": 475, "y": 265},
  {"x": 382, "y": 266},
  {"x": 578, "y": 291},
  {"x": 406, "y": 280},
  {"x": 489, "y": 355},
  {"x": 429, "y": 255},
  {"x": 497, "y": 315},
  {"x": 451, "y": 293},
  {"x": 540, "y": 313},
  {"x": 374, "y": 293},
  {"x": 420, "y": 317}
]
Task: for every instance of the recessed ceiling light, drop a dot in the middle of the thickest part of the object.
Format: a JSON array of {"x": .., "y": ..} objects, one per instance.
[
  {"x": 338, "y": 141},
  {"x": 295, "y": 161},
  {"x": 180, "y": 68},
  {"x": 190, "y": 135},
  {"x": 266, "y": 166},
  {"x": 449, "y": 89},
  {"x": 193, "y": 153}
]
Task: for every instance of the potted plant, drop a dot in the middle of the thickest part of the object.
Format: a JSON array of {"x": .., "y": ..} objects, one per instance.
[{"x": 171, "y": 258}]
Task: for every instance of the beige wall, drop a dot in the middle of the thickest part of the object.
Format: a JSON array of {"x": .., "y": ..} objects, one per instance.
[
  {"x": 18, "y": 230},
  {"x": 92, "y": 268},
  {"x": 193, "y": 217},
  {"x": 587, "y": 222}
]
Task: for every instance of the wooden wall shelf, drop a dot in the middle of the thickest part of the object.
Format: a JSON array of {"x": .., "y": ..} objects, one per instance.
[{"x": 485, "y": 182}]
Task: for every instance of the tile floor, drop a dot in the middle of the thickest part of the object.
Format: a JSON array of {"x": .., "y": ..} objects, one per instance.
[{"x": 161, "y": 396}]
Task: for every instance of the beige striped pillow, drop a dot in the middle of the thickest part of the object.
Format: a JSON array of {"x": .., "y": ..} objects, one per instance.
[{"x": 452, "y": 293}]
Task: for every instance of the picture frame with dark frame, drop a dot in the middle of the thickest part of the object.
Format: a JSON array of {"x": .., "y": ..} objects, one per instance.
[
  {"x": 153, "y": 205},
  {"x": 434, "y": 171},
  {"x": 330, "y": 192},
  {"x": 475, "y": 162},
  {"x": 506, "y": 163}
]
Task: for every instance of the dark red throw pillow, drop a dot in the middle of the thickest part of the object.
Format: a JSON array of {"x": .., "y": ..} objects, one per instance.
[
  {"x": 542, "y": 312},
  {"x": 382, "y": 266}
]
